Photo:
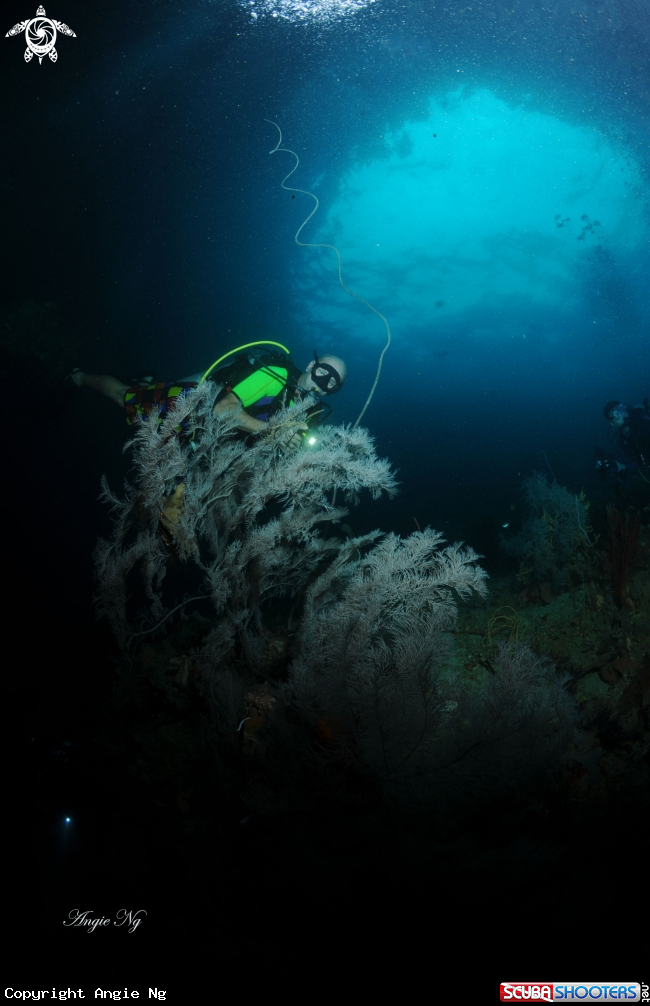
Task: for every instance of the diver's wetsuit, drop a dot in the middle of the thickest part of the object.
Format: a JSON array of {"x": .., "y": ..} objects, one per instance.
[
  {"x": 141, "y": 399},
  {"x": 264, "y": 384}
]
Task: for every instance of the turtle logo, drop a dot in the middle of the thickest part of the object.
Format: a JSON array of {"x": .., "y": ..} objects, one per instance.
[{"x": 40, "y": 35}]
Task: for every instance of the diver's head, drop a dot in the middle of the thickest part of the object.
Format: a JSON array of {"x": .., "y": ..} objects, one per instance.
[
  {"x": 325, "y": 375},
  {"x": 616, "y": 413}
]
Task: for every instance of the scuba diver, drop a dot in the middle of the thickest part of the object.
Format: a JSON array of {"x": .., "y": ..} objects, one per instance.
[
  {"x": 255, "y": 384},
  {"x": 632, "y": 426}
]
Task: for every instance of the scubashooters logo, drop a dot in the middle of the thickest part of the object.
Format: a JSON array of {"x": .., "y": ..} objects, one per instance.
[{"x": 40, "y": 35}]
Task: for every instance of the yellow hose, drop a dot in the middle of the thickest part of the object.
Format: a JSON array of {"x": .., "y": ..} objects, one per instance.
[{"x": 261, "y": 342}]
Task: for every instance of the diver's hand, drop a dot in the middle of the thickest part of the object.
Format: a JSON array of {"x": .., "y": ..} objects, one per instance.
[
  {"x": 295, "y": 440},
  {"x": 289, "y": 441},
  {"x": 605, "y": 465}
]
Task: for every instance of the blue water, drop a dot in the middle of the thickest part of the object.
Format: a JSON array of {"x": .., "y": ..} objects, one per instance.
[{"x": 482, "y": 169}]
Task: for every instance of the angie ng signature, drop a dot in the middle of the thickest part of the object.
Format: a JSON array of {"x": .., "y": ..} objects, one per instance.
[{"x": 123, "y": 917}]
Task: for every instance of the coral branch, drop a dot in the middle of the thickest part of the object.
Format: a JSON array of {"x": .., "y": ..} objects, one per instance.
[{"x": 623, "y": 550}]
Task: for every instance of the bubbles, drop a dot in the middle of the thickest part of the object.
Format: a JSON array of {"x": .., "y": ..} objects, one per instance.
[{"x": 308, "y": 11}]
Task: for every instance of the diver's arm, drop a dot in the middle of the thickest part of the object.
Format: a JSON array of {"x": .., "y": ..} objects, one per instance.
[
  {"x": 248, "y": 424},
  {"x": 230, "y": 403}
]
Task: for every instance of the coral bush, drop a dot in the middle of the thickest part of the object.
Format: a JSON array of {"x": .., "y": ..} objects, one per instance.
[
  {"x": 555, "y": 535},
  {"x": 421, "y": 734},
  {"x": 624, "y": 551},
  {"x": 367, "y": 687},
  {"x": 519, "y": 724},
  {"x": 245, "y": 516},
  {"x": 373, "y": 649}
]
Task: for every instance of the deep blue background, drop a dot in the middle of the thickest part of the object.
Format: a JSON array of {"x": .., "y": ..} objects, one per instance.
[{"x": 138, "y": 195}]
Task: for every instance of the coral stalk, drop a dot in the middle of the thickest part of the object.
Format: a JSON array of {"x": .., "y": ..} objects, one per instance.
[{"x": 623, "y": 550}]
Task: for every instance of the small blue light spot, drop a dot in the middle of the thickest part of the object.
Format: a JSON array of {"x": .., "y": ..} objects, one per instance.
[
  {"x": 507, "y": 524},
  {"x": 68, "y": 820}
]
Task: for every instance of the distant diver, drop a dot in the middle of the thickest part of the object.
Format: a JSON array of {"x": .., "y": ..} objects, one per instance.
[
  {"x": 256, "y": 384},
  {"x": 632, "y": 427}
]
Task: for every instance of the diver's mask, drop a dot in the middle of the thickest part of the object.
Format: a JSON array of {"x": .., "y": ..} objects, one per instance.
[{"x": 322, "y": 381}]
